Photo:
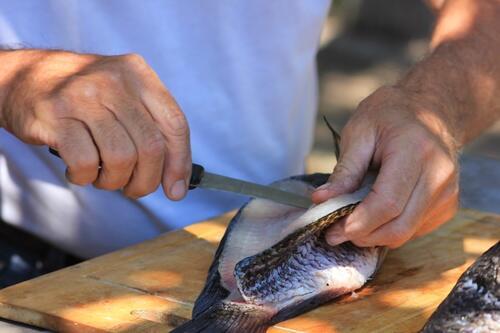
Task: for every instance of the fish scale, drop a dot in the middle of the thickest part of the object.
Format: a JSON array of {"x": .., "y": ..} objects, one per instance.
[
  {"x": 250, "y": 270},
  {"x": 474, "y": 303}
]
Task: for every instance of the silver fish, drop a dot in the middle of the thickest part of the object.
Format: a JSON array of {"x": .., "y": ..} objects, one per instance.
[
  {"x": 273, "y": 263},
  {"x": 473, "y": 305}
]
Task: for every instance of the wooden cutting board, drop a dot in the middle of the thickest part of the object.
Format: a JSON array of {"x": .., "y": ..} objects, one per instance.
[{"x": 151, "y": 287}]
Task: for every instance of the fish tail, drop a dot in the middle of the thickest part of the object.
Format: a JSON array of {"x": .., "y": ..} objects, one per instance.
[{"x": 228, "y": 317}]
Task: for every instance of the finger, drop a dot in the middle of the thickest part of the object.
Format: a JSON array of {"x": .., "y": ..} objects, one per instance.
[
  {"x": 116, "y": 150},
  {"x": 175, "y": 129},
  {"x": 397, "y": 231},
  {"x": 150, "y": 146},
  {"x": 348, "y": 174},
  {"x": 78, "y": 151},
  {"x": 390, "y": 194},
  {"x": 335, "y": 235},
  {"x": 442, "y": 211}
]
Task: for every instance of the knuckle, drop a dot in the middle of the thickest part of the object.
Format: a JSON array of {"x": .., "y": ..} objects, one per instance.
[
  {"x": 354, "y": 230},
  {"x": 134, "y": 60},
  {"x": 121, "y": 158},
  {"x": 343, "y": 175},
  {"x": 422, "y": 139},
  {"x": 114, "y": 77},
  {"x": 342, "y": 170},
  {"x": 78, "y": 88},
  {"x": 397, "y": 236},
  {"x": 83, "y": 164},
  {"x": 154, "y": 145},
  {"x": 391, "y": 205},
  {"x": 88, "y": 89},
  {"x": 178, "y": 124}
]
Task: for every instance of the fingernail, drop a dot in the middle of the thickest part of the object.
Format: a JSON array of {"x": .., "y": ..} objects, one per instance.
[{"x": 178, "y": 190}]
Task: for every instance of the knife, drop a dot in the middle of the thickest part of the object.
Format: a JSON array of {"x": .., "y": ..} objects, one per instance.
[
  {"x": 201, "y": 178},
  {"x": 208, "y": 180}
]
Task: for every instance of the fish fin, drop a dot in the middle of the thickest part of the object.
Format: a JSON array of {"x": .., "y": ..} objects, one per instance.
[
  {"x": 302, "y": 307},
  {"x": 214, "y": 292},
  {"x": 336, "y": 138},
  {"x": 229, "y": 318}
]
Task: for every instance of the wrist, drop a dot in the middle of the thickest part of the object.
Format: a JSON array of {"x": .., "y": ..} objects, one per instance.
[{"x": 13, "y": 63}]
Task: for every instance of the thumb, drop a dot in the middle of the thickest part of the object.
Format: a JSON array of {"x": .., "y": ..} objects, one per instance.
[{"x": 355, "y": 158}]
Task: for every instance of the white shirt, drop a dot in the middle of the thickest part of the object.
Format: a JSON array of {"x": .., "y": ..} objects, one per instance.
[{"x": 243, "y": 72}]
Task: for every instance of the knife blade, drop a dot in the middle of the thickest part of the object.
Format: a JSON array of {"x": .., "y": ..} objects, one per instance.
[{"x": 208, "y": 180}]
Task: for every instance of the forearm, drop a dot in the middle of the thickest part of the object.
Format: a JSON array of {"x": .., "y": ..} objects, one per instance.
[
  {"x": 460, "y": 79},
  {"x": 12, "y": 66}
]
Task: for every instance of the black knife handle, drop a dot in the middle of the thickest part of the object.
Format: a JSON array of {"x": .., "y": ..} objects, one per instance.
[
  {"x": 54, "y": 152},
  {"x": 196, "y": 176}
]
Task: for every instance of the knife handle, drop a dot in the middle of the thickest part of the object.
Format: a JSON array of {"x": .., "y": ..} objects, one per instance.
[
  {"x": 196, "y": 176},
  {"x": 54, "y": 152}
]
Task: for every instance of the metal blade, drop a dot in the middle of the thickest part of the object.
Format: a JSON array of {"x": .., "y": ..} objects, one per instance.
[{"x": 214, "y": 181}]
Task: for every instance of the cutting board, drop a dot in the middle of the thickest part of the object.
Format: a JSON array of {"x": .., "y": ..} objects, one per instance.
[{"x": 151, "y": 287}]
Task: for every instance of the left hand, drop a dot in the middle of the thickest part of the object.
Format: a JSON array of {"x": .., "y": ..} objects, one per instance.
[{"x": 416, "y": 190}]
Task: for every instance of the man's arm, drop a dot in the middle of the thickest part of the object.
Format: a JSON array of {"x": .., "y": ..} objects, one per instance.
[
  {"x": 463, "y": 71},
  {"x": 412, "y": 131},
  {"x": 108, "y": 110}
]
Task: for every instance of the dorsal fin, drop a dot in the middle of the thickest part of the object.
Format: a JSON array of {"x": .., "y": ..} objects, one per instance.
[{"x": 336, "y": 138}]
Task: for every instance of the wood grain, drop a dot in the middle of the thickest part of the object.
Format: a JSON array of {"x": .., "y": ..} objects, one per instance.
[{"x": 151, "y": 287}]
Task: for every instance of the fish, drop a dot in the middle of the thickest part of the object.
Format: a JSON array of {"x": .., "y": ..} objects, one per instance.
[
  {"x": 273, "y": 262},
  {"x": 473, "y": 305}
]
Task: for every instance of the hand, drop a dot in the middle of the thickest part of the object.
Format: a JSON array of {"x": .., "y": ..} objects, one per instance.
[
  {"x": 416, "y": 189},
  {"x": 93, "y": 109}
]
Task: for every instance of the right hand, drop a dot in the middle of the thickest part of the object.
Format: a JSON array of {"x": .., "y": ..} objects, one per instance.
[{"x": 93, "y": 109}]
